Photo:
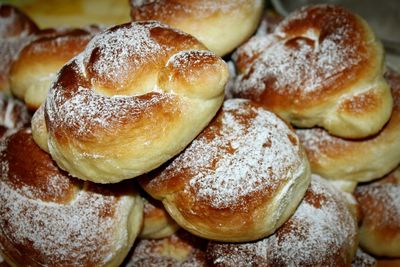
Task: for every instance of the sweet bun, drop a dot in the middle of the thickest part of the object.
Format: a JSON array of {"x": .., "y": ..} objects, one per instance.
[
  {"x": 156, "y": 221},
  {"x": 179, "y": 249},
  {"x": 221, "y": 25},
  {"x": 380, "y": 205},
  {"x": 39, "y": 61},
  {"x": 356, "y": 160},
  {"x": 239, "y": 180},
  {"x": 322, "y": 232},
  {"x": 16, "y": 30},
  {"x": 322, "y": 66},
  {"x": 50, "y": 219},
  {"x": 136, "y": 96}
]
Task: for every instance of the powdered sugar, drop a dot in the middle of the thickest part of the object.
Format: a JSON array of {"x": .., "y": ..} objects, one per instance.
[
  {"x": 102, "y": 112},
  {"x": 296, "y": 62},
  {"x": 320, "y": 229},
  {"x": 121, "y": 50},
  {"x": 13, "y": 113},
  {"x": 251, "y": 152},
  {"x": 71, "y": 233}
]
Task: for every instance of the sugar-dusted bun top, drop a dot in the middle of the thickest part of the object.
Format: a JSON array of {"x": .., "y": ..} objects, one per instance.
[
  {"x": 134, "y": 98},
  {"x": 238, "y": 161},
  {"x": 321, "y": 66},
  {"x": 312, "y": 54},
  {"x": 13, "y": 113},
  {"x": 49, "y": 217},
  {"x": 322, "y": 232},
  {"x": 239, "y": 180}
]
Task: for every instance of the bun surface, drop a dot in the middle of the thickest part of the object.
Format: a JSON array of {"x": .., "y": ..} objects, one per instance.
[
  {"x": 322, "y": 66},
  {"x": 239, "y": 180},
  {"x": 137, "y": 95}
]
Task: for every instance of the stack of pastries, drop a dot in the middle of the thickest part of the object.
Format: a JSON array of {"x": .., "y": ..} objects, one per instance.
[{"x": 138, "y": 145}]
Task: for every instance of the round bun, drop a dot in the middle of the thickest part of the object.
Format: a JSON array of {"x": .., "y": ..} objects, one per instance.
[
  {"x": 156, "y": 221},
  {"x": 137, "y": 95},
  {"x": 380, "y": 205},
  {"x": 180, "y": 249},
  {"x": 13, "y": 115},
  {"x": 16, "y": 30},
  {"x": 39, "y": 61},
  {"x": 356, "y": 160},
  {"x": 322, "y": 66},
  {"x": 48, "y": 218},
  {"x": 221, "y": 25},
  {"x": 322, "y": 232},
  {"x": 239, "y": 180}
]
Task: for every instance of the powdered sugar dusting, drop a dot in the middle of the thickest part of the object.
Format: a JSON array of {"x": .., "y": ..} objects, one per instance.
[
  {"x": 252, "y": 151},
  {"x": 73, "y": 233},
  {"x": 102, "y": 112},
  {"x": 299, "y": 62},
  {"x": 383, "y": 208},
  {"x": 13, "y": 113},
  {"x": 179, "y": 250},
  {"x": 122, "y": 49},
  {"x": 309, "y": 238}
]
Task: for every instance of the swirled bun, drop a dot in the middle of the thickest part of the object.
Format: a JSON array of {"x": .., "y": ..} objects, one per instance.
[
  {"x": 16, "y": 30},
  {"x": 179, "y": 249},
  {"x": 322, "y": 232},
  {"x": 39, "y": 61},
  {"x": 380, "y": 205},
  {"x": 137, "y": 95},
  {"x": 50, "y": 219},
  {"x": 356, "y": 160},
  {"x": 221, "y": 25},
  {"x": 239, "y": 180},
  {"x": 322, "y": 66},
  {"x": 156, "y": 221}
]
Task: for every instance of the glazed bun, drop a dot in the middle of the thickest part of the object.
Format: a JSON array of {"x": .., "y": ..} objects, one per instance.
[
  {"x": 137, "y": 95},
  {"x": 322, "y": 232},
  {"x": 39, "y": 61},
  {"x": 221, "y": 25},
  {"x": 380, "y": 205},
  {"x": 356, "y": 160},
  {"x": 16, "y": 30},
  {"x": 239, "y": 180},
  {"x": 322, "y": 66},
  {"x": 156, "y": 221},
  {"x": 50, "y": 219},
  {"x": 179, "y": 249}
]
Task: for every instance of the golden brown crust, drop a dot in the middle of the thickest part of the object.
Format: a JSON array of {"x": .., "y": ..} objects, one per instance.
[
  {"x": 221, "y": 25},
  {"x": 315, "y": 69},
  {"x": 238, "y": 180},
  {"x": 357, "y": 160},
  {"x": 156, "y": 221},
  {"x": 49, "y": 218},
  {"x": 180, "y": 249},
  {"x": 119, "y": 109},
  {"x": 16, "y": 30},
  {"x": 322, "y": 232},
  {"x": 380, "y": 205},
  {"x": 39, "y": 61}
]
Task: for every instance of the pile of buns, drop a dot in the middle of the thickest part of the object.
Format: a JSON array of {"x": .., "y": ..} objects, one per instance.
[{"x": 202, "y": 133}]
